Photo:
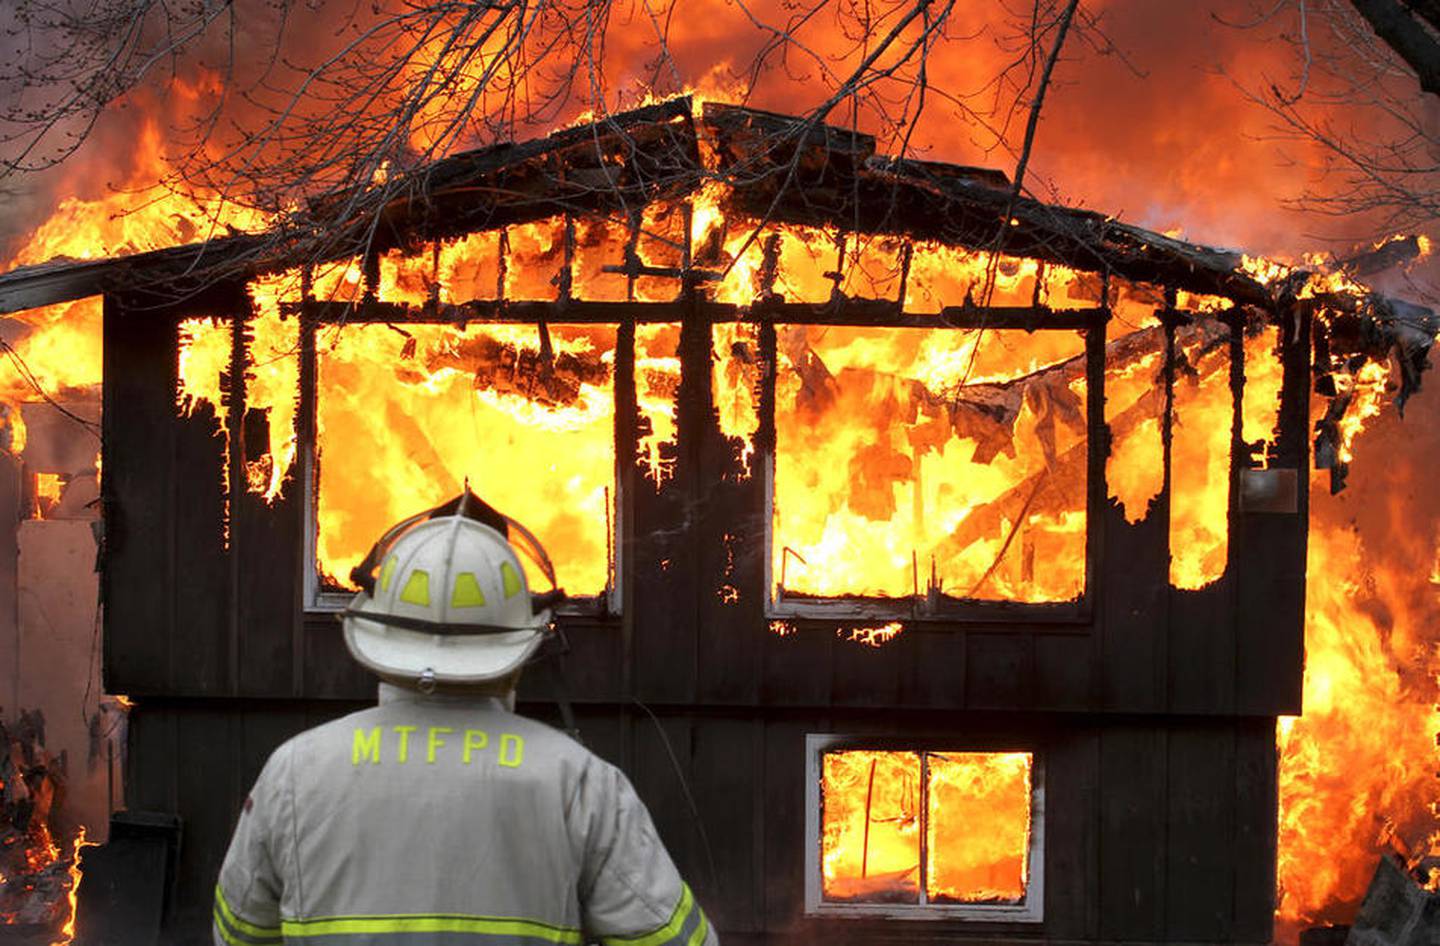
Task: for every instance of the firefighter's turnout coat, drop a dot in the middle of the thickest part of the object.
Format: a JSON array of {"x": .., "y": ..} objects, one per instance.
[{"x": 450, "y": 821}]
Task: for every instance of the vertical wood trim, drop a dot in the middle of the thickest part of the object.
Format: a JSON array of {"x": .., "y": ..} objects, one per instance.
[
  {"x": 239, "y": 337},
  {"x": 1097, "y": 492},
  {"x": 1256, "y": 828},
  {"x": 307, "y": 493},
  {"x": 138, "y": 451},
  {"x": 1167, "y": 441}
]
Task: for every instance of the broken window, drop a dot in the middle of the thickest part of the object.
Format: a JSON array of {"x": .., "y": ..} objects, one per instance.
[
  {"x": 929, "y": 462},
  {"x": 523, "y": 412},
  {"x": 919, "y": 832}
]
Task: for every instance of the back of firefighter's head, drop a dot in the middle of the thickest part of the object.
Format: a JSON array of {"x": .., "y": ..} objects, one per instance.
[{"x": 445, "y": 602}]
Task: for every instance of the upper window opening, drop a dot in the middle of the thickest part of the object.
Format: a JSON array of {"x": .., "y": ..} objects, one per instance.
[
  {"x": 920, "y": 460},
  {"x": 524, "y": 412}
]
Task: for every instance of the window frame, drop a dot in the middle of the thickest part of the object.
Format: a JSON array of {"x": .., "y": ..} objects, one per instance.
[
  {"x": 1030, "y": 910},
  {"x": 944, "y": 609}
]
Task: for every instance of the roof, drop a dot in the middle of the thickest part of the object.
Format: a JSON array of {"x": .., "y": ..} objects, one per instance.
[{"x": 778, "y": 168}]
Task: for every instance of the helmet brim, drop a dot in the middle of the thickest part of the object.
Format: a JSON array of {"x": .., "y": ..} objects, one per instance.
[{"x": 452, "y": 658}]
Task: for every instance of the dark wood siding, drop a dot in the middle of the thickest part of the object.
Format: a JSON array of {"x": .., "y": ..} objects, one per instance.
[
  {"x": 1153, "y": 708},
  {"x": 202, "y": 604},
  {"x": 1156, "y": 831}
]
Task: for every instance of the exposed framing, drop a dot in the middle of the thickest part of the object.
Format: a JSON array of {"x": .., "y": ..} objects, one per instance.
[{"x": 1030, "y": 910}]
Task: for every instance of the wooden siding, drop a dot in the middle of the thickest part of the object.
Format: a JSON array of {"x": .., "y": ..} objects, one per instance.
[
  {"x": 198, "y": 605},
  {"x": 1156, "y": 830}
]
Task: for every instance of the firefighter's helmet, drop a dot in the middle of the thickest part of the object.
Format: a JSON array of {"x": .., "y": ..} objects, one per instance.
[{"x": 444, "y": 597}]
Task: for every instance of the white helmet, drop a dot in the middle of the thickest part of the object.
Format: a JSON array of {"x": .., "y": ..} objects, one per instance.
[{"x": 444, "y": 597}]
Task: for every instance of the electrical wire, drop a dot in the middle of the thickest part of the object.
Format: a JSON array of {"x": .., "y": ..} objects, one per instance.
[{"x": 689, "y": 798}]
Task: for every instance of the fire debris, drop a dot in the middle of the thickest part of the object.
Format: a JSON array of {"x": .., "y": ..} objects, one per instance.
[
  {"x": 1400, "y": 908},
  {"x": 35, "y": 876}
]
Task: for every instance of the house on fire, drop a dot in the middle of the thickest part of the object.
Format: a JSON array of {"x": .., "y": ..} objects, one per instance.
[{"x": 936, "y": 556}]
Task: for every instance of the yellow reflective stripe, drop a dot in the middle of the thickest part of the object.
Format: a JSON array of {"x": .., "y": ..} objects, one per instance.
[
  {"x": 665, "y": 933},
  {"x": 701, "y": 928},
  {"x": 467, "y": 593},
  {"x": 511, "y": 579},
  {"x": 420, "y": 923},
  {"x": 222, "y": 908},
  {"x": 417, "y": 589},
  {"x": 225, "y": 933}
]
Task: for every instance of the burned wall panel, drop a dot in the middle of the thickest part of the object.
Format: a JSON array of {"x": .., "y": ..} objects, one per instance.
[
  {"x": 268, "y": 586},
  {"x": 1132, "y": 833},
  {"x": 203, "y": 633},
  {"x": 138, "y": 580},
  {"x": 1270, "y": 597},
  {"x": 1200, "y": 831}
]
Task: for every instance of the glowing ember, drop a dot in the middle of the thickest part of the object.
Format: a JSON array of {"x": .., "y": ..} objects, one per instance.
[
  {"x": 966, "y": 814},
  {"x": 871, "y": 636}
]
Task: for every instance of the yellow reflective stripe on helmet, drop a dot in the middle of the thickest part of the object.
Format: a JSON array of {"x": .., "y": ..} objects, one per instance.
[
  {"x": 467, "y": 593},
  {"x": 387, "y": 571},
  {"x": 665, "y": 933},
  {"x": 511, "y": 579},
  {"x": 228, "y": 921},
  {"x": 425, "y": 923},
  {"x": 417, "y": 588}
]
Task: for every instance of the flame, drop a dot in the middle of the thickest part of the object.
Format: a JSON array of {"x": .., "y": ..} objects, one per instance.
[
  {"x": 1260, "y": 401},
  {"x": 657, "y": 379},
  {"x": 979, "y": 844},
  {"x": 972, "y": 812},
  {"x": 892, "y": 465},
  {"x": 1369, "y": 385},
  {"x": 870, "y": 825},
  {"x": 67, "y": 931},
  {"x": 1358, "y": 766},
  {"x": 1358, "y": 705},
  {"x": 1200, "y": 469},
  {"x": 48, "y": 487},
  {"x": 871, "y": 636},
  {"x": 735, "y": 380},
  {"x": 406, "y": 417}
]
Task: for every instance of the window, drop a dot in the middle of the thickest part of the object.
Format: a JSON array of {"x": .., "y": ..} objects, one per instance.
[
  {"x": 938, "y": 464},
  {"x": 923, "y": 832}
]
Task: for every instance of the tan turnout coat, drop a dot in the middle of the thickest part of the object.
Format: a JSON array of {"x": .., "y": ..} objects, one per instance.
[{"x": 449, "y": 821}]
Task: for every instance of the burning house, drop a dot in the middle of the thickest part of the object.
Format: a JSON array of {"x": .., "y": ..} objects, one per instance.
[{"x": 936, "y": 556}]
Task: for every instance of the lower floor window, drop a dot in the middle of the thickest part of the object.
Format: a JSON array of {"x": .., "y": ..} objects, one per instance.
[{"x": 923, "y": 831}]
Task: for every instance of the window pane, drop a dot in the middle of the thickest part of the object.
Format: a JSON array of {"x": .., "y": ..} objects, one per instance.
[
  {"x": 978, "y": 838},
  {"x": 870, "y": 826},
  {"x": 405, "y": 417},
  {"x": 904, "y": 455}
]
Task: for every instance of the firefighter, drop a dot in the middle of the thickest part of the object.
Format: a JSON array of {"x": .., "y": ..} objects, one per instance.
[{"x": 439, "y": 816}]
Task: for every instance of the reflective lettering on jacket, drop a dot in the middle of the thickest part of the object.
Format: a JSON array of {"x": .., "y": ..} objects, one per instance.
[{"x": 447, "y": 821}]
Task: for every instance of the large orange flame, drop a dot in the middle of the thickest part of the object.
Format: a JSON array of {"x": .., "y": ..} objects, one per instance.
[{"x": 413, "y": 392}]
